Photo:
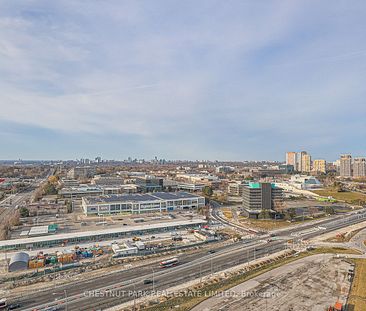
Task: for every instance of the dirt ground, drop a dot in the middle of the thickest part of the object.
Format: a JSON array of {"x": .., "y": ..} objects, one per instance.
[{"x": 312, "y": 284}]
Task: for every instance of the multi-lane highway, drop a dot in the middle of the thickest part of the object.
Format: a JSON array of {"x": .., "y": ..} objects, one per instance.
[
  {"x": 80, "y": 297},
  {"x": 116, "y": 288}
]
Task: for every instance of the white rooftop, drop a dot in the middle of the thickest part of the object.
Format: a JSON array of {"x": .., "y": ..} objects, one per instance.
[
  {"x": 39, "y": 230},
  {"x": 66, "y": 236}
]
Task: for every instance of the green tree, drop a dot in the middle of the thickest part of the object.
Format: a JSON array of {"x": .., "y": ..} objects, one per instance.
[
  {"x": 24, "y": 212},
  {"x": 207, "y": 190},
  {"x": 49, "y": 189},
  {"x": 329, "y": 210}
]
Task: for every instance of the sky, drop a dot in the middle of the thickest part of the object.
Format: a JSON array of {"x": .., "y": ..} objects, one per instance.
[{"x": 215, "y": 80}]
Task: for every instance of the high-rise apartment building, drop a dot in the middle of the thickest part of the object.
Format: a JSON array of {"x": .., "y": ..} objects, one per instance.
[
  {"x": 359, "y": 167},
  {"x": 305, "y": 162},
  {"x": 320, "y": 166},
  {"x": 291, "y": 159},
  {"x": 299, "y": 156},
  {"x": 346, "y": 165}
]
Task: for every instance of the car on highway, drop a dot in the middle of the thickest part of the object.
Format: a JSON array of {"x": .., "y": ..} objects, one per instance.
[
  {"x": 14, "y": 306},
  {"x": 212, "y": 251},
  {"x": 148, "y": 281}
]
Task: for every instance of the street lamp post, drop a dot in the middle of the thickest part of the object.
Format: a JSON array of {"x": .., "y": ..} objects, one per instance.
[
  {"x": 65, "y": 292},
  {"x": 211, "y": 266},
  {"x": 134, "y": 296},
  {"x": 200, "y": 272},
  {"x": 153, "y": 280}
]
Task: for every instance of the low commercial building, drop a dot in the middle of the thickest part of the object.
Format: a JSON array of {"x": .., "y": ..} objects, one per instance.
[
  {"x": 273, "y": 171},
  {"x": 225, "y": 169},
  {"x": 304, "y": 182},
  {"x": 198, "y": 178},
  {"x": 235, "y": 188},
  {"x": 69, "y": 183},
  {"x": 107, "y": 180},
  {"x": 125, "y": 249},
  {"x": 141, "y": 203},
  {"x": 149, "y": 183},
  {"x": 81, "y": 172},
  {"x": 93, "y": 190},
  {"x": 192, "y": 187},
  {"x": 79, "y": 192},
  {"x": 205, "y": 235},
  {"x": 98, "y": 235}
]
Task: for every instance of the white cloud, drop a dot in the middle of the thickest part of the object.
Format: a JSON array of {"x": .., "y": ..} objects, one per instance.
[{"x": 184, "y": 68}]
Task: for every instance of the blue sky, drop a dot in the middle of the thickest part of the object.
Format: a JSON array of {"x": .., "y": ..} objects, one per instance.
[{"x": 227, "y": 80}]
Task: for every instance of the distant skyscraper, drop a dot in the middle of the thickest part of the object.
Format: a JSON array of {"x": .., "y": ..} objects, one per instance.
[
  {"x": 291, "y": 159},
  {"x": 320, "y": 166},
  {"x": 346, "y": 165},
  {"x": 359, "y": 167}
]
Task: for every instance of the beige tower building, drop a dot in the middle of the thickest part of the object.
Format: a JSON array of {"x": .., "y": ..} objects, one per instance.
[
  {"x": 359, "y": 167},
  {"x": 345, "y": 169},
  {"x": 291, "y": 159},
  {"x": 305, "y": 163},
  {"x": 320, "y": 166}
]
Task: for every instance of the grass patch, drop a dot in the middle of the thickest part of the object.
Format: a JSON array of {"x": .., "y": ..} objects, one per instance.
[
  {"x": 348, "y": 197},
  {"x": 357, "y": 297},
  {"x": 334, "y": 250},
  {"x": 227, "y": 213},
  {"x": 193, "y": 297}
]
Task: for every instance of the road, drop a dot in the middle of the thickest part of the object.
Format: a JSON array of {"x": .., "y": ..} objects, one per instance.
[
  {"x": 191, "y": 267},
  {"x": 12, "y": 202}
]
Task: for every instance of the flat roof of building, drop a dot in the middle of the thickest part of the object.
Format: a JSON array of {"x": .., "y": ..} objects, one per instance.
[
  {"x": 156, "y": 196},
  {"x": 94, "y": 233},
  {"x": 257, "y": 185},
  {"x": 38, "y": 230}
]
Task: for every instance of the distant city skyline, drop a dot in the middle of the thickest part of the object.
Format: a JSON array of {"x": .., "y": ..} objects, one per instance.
[{"x": 225, "y": 80}]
